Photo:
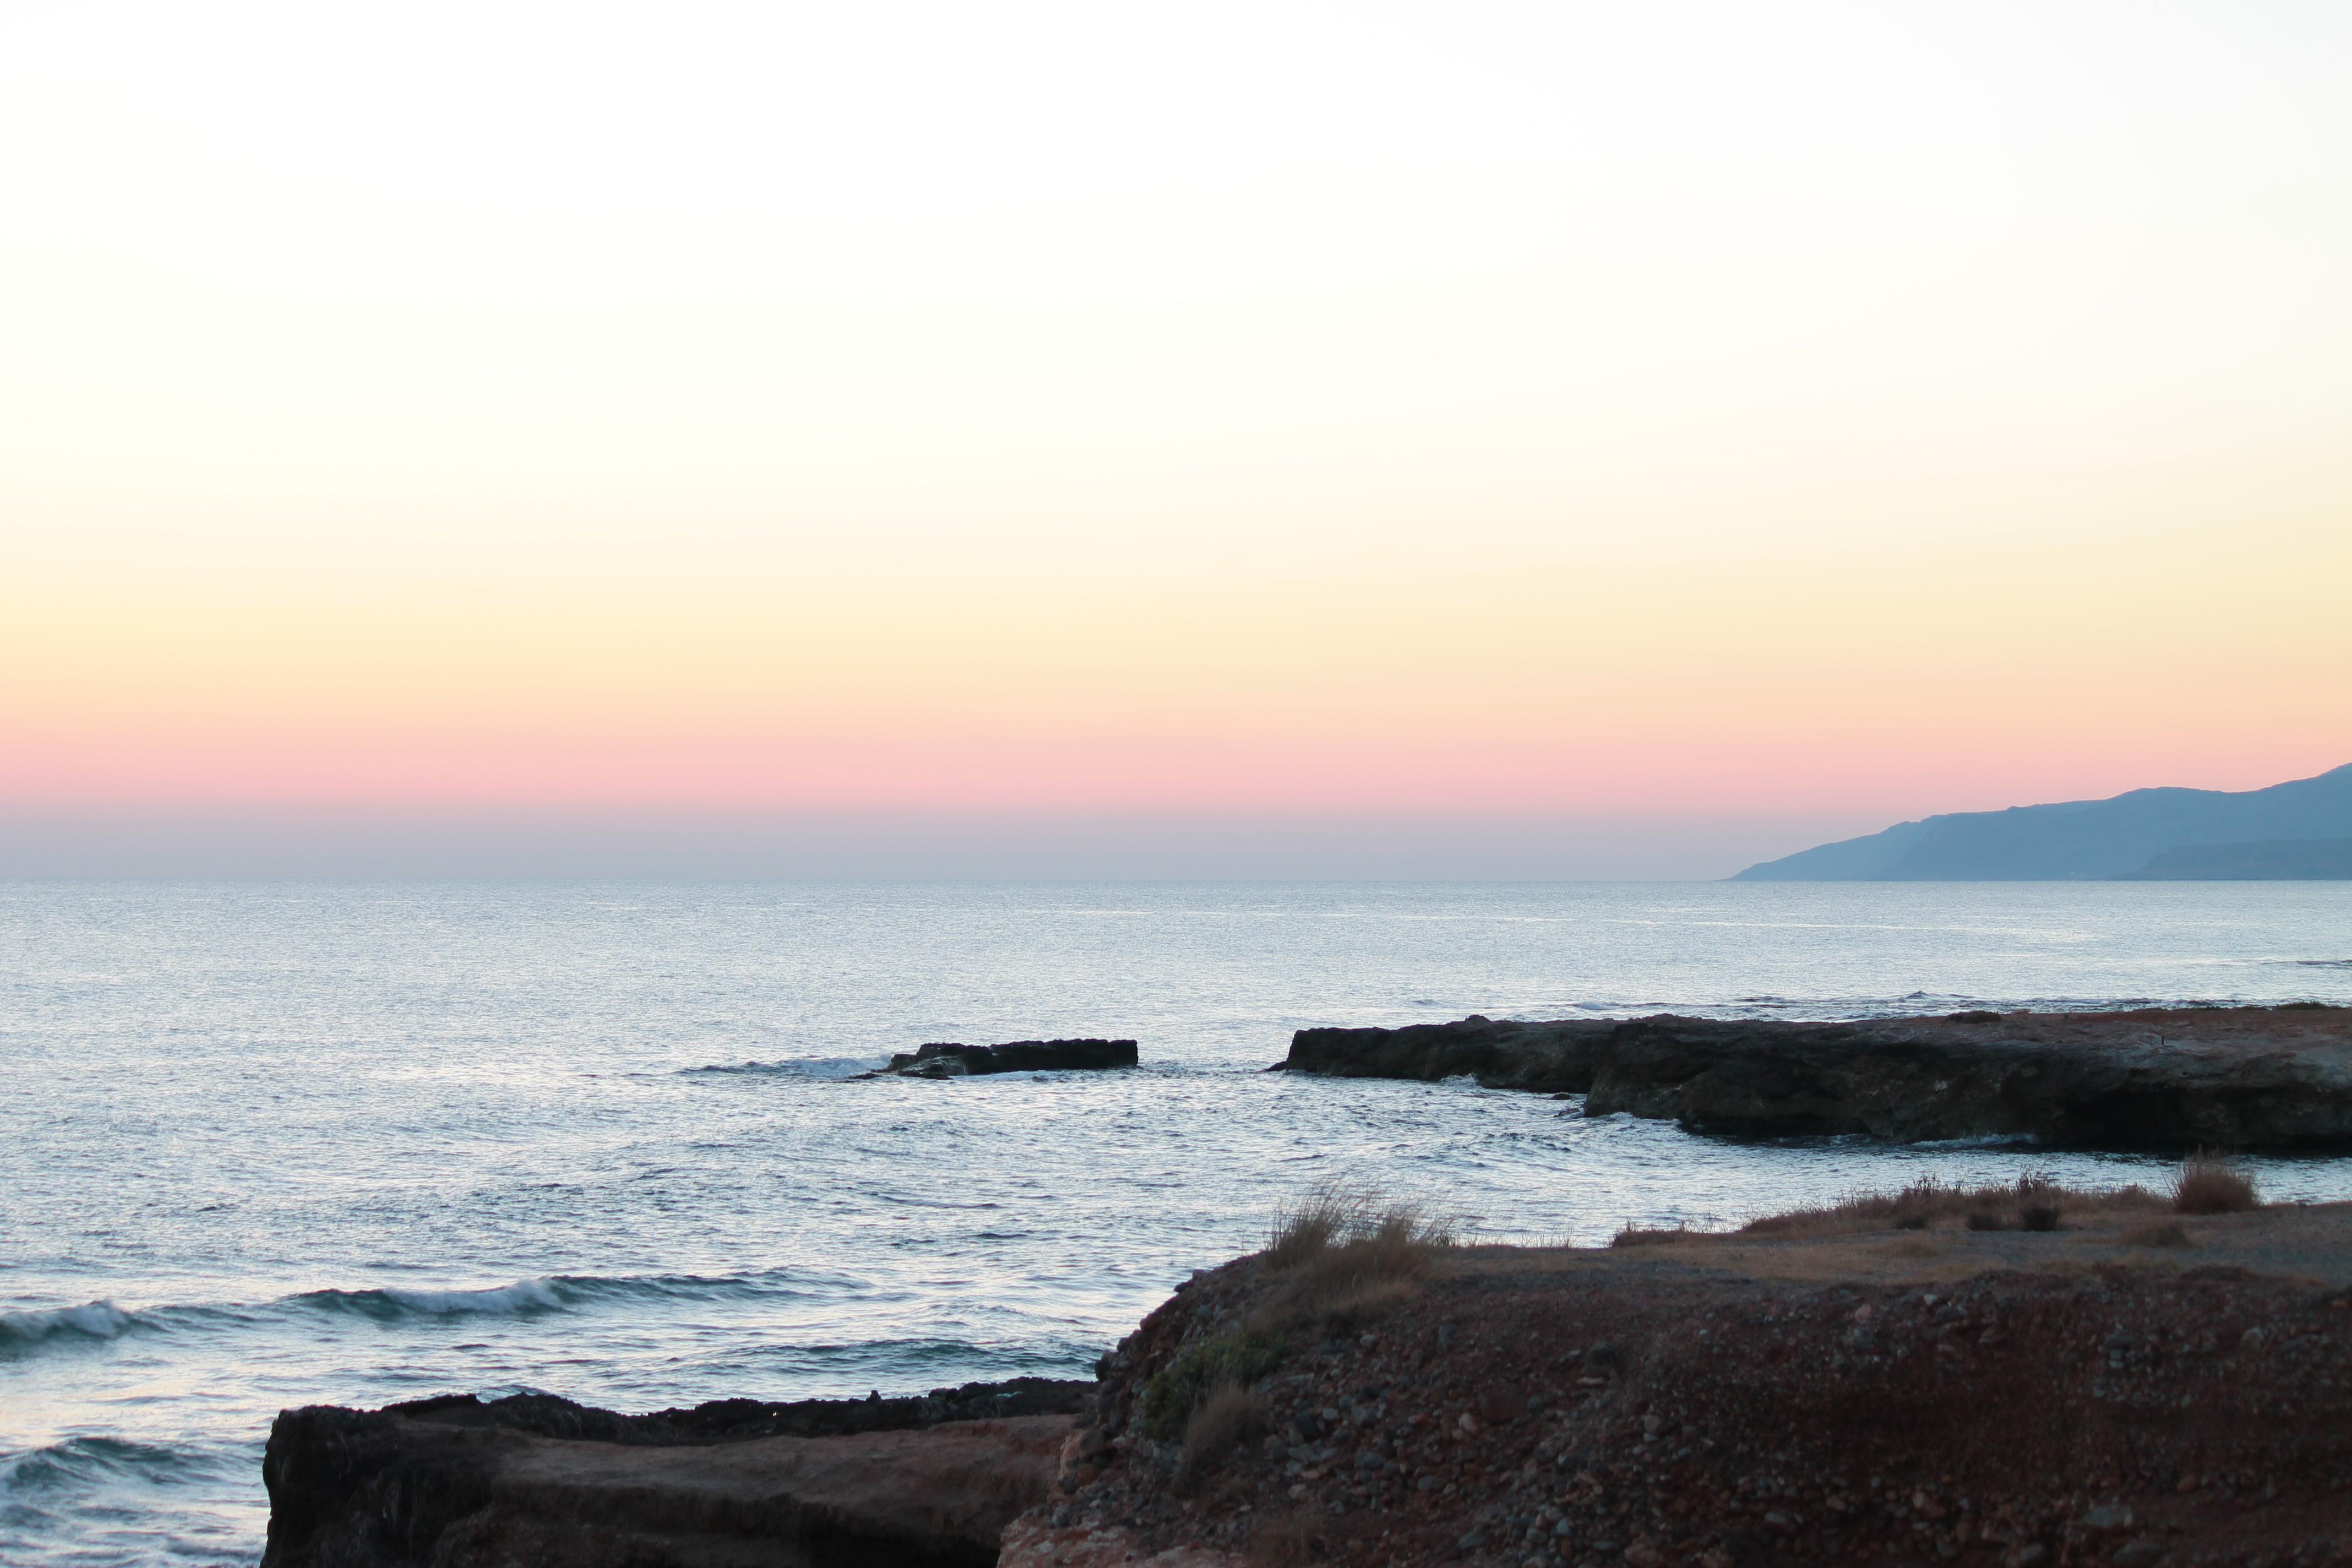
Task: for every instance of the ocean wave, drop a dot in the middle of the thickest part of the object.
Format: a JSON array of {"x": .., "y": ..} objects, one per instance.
[
  {"x": 82, "y": 1462},
  {"x": 798, "y": 1067},
  {"x": 557, "y": 1293},
  {"x": 22, "y": 1330},
  {"x": 28, "y": 1332},
  {"x": 521, "y": 1299}
]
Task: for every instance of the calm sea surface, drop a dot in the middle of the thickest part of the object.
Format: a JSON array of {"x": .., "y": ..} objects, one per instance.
[{"x": 272, "y": 1144}]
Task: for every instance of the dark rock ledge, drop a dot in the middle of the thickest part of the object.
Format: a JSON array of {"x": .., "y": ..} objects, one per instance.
[
  {"x": 931, "y": 1483},
  {"x": 2248, "y": 1078},
  {"x": 951, "y": 1061}
]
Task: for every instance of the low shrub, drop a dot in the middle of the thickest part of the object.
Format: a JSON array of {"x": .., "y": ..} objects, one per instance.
[
  {"x": 1925, "y": 1205},
  {"x": 1657, "y": 1236},
  {"x": 2038, "y": 1216},
  {"x": 2209, "y": 1183},
  {"x": 1187, "y": 1383},
  {"x": 2159, "y": 1233},
  {"x": 1227, "y": 1416},
  {"x": 1284, "y": 1540}
]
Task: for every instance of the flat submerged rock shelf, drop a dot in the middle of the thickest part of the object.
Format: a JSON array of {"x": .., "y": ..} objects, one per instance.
[
  {"x": 2268, "y": 1079},
  {"x": 948, "y": 1060}
]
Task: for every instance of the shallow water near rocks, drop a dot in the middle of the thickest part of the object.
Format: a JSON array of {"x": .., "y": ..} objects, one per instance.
[{"x": 272, "y": 1144}]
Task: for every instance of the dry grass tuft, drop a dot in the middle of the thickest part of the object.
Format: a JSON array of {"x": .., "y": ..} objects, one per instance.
[
  {"x": 2158, "y": 1233},
  {"x": 1229, "y": 1416},
  {"x": 1343, "y": 1254},
  {"x": 1330, "y": 1213},
  {"x": 2033, "y": 1203},
  {"x": 2208, "y": 1184},
  {"x": 1285, "y": 1540},
  {"x": 1634, "y": 1236}
]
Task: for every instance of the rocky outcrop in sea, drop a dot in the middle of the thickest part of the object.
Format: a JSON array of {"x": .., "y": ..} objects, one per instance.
[
  {"x": 948, "y": 1060},
  {"x": 2251, "y": 1079}
]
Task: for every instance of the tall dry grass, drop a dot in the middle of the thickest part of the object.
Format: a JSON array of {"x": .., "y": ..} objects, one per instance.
[
  {"x": 1342, "y": 1252},
  {"x": 2210, "y": 1183}
]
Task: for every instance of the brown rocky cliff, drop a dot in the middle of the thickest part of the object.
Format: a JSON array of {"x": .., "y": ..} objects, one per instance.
[{"x": 2010, "y": 1399}]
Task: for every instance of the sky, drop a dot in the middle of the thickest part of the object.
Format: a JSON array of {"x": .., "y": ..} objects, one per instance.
[{"x": 1277, "y": 439}]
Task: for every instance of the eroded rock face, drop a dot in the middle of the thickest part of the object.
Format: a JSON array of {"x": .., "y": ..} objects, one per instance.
[
  {"x": 1555, "y": 1057},
  {"x": 2159, "y": 1078},
  {"x": 951, "y": 1061},
  {"x": 1887, "y": 1397},
  {"x": 457, "y": 1483}
]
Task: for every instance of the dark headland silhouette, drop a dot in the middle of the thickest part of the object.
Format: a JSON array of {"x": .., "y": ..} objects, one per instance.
[{"x": 2296, "y": 831}]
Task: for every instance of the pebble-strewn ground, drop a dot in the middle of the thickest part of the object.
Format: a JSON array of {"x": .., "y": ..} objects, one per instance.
[{"x": 1894, "y": 1397}]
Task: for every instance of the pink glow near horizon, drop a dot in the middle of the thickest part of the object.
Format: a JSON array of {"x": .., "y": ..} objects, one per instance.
[
  {"x": 1563, "y": 413},
  {"x": 1084, "y": 775}
]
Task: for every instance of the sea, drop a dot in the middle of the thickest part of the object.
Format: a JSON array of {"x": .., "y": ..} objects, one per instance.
[{"x": 273, "y": 1144}]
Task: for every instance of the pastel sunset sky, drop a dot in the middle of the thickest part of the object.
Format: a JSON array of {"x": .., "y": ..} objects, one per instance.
[{"x": 1672, "y": 433}]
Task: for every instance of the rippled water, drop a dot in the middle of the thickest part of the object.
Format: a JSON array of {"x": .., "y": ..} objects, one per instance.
[{"x": 264, "y": 1145}]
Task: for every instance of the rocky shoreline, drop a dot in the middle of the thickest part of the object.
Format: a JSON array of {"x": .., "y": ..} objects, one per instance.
[
  {"x": 2117, "y": 1395},
  {"x": 2273, "y": 1080},
  {"x": 2116, "y": 1392},
  {"x": 457, "y": 1482}
]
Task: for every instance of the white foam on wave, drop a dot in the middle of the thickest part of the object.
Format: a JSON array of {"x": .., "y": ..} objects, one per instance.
[
  {"x": 93, "y": 1320},
  {"x": 21, "y": 1332},
  {"x": 390, "y": 1301},
  {"x": 798, "y": 1067},
  {"x": 522, "y": 1296}
]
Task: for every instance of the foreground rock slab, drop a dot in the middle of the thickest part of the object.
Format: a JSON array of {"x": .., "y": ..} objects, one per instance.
[
  {"x": 2254, "y": 1078},
  {"x": 454, "y": 1483}
]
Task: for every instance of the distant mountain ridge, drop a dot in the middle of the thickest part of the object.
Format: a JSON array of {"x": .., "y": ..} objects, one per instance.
[{"x": 2297, "y": 830}]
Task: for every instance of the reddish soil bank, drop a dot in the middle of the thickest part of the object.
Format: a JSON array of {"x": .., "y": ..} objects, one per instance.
[{"x": 2010, "y": 1398}]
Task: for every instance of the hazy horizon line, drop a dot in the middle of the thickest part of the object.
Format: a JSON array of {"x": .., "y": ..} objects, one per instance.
[{"x": 505, "y": 844}]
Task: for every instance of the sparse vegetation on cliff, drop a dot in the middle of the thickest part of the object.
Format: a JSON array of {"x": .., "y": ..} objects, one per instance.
[
  {"x": 1341, "y": 1252},
  {"x": 1839, "y": 1396},
  {"x": 2035, "y": 1202}
]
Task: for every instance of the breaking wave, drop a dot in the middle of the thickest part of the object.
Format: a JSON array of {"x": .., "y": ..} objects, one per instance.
[
  {"x": 553, "y": 1293},
  {"x": 21, "y": 1331},
  {"x": 28, "y": 1332},
  {"x": 799, "y": 1067},
  {"x": 81, "y": 1462}
]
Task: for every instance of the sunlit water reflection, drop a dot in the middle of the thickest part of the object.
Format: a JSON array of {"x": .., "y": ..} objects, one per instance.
[{"x": 274, "y": 1144}]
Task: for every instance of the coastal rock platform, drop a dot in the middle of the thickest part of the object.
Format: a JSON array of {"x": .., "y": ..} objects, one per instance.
[
  {"x": 457, "y": 1483},
  {"x": 2171, "y": 1078}
]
